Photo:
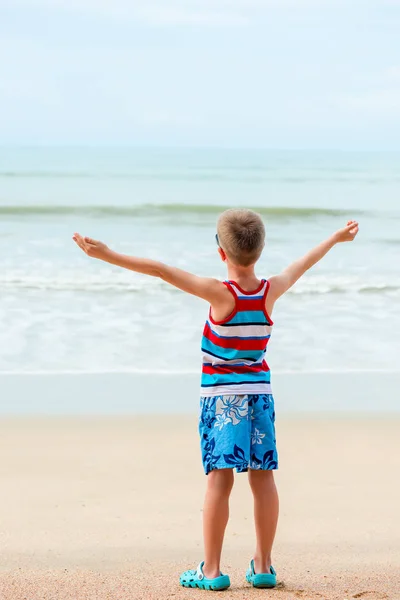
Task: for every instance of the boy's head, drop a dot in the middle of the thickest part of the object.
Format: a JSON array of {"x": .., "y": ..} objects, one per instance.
[{"x": 241, "y": 235}]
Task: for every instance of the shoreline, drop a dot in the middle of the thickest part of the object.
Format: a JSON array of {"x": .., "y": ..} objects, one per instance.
[{"x": 143, "y": 393}]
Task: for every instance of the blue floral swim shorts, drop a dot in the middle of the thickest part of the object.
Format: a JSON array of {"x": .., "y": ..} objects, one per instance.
[{"x": 238, "y": 432}]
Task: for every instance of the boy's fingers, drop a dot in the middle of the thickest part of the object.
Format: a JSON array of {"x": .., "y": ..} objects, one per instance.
[
  {"x": 78, "y": 239},
  {"x": 84, "y": 240}
]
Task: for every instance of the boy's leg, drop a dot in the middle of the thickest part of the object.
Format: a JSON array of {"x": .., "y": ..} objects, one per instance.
[
  {"x": 215, "y": 518},
  {"x": 266, "y": 511}
]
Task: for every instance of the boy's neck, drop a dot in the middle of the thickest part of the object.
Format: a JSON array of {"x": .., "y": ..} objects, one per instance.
[{"x": 244, "y": 276}]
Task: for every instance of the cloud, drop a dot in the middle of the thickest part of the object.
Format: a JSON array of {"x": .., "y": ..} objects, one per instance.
[
  {"x": 162, "y": 15},
  {"x": 380, "y": 97},
  {"x": 182, "y": 12},
  {"x": 392, "y": 73},
  {"x": 380, "y": 103},
  {"x": 154, "y": 12}
]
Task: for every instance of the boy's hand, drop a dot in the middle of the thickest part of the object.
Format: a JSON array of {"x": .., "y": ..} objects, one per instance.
[
  {"x": 348, "y": 233},
  {"x": 92, "y": 248}
]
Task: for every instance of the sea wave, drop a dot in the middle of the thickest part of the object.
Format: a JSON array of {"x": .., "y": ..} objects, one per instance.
[
  {"x": 76, "y": 282},
  {"x": 18, "y": 372},
  {"x": 160, "y": 210},
  {"x": 248, "y": 175}
]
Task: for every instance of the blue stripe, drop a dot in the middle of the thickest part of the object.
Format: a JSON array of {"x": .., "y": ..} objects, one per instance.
[
  {"x": 229, "y": 353},
  {"x": 208, "y": 385},
  {"x": 255, "y": 317},
  {"x": 234, "y": 378},
  {"x": 239, "y": 337},
  {"x": 251, "y": 297}
]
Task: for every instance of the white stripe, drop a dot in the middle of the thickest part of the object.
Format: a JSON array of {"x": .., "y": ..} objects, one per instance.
[
  {"x": 240, "y": 294},
  {"x": 229, "y": 390},
  {"x": 209, "y": 358},
  {"x": 241, "y": 330}
]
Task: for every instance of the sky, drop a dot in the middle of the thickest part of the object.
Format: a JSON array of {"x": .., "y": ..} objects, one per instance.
[{"x": 283, "y": 74}]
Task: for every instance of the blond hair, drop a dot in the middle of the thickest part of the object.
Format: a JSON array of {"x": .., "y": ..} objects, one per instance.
[{"x": 241, "y": 235}]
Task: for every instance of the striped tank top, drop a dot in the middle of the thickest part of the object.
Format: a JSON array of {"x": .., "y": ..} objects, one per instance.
[{"x": 234, "y": 349}]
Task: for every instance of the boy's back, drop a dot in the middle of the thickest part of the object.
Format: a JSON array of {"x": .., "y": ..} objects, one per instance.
[{"x": 234, "y": 348}]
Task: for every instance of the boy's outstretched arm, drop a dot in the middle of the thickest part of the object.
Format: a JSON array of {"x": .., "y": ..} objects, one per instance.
[
  {"x": 279, "y": 284},
  {"x": 209, "y": 289}
]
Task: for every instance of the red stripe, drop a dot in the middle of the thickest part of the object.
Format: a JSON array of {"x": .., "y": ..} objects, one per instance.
[
  {"x": 250, "y": 304},
  {"x": 234, "y": 343},
  {"x": 265, "y": 304},
  {"x": 225, "y": 370}
]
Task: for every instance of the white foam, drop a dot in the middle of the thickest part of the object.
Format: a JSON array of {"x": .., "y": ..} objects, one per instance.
[
  {"x": 177, "y": 373},
  {"x": 113, "y": 281}
]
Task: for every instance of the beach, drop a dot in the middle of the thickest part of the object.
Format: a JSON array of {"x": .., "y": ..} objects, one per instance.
[{"x": 109, "y": 507}]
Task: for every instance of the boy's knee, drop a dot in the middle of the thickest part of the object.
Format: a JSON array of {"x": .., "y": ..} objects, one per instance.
[
  {"x": 220, "y": 480},
  {"x": 259, "y": 478}
]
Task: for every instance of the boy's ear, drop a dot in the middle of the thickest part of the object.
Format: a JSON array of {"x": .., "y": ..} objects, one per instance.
[{"x": 222, "y": 254}]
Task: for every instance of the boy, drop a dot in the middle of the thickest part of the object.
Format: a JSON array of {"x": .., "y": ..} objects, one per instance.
[{"x": 237, "y": 407}]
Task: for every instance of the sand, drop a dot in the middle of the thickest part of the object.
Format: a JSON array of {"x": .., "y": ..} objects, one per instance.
[{"x": 110, "y": 508}]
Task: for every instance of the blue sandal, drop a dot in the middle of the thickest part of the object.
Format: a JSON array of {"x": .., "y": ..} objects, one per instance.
[
  {"x": 197, "y": 579},
  {"x": 261, "y": 580}
]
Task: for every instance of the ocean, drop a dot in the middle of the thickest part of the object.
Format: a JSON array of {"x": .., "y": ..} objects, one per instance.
[{"x": 61, "y": 312}]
